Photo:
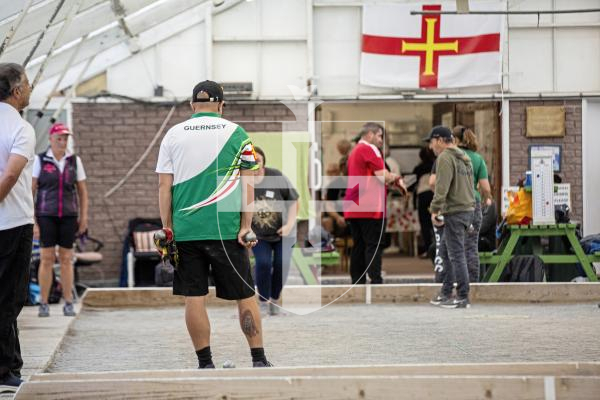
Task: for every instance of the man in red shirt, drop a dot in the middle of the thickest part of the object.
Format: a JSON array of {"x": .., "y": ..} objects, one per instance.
[{"x": 365, "y": 203}]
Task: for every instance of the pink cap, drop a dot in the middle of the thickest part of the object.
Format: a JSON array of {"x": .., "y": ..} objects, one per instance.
[{"x": 59, "y": 129}]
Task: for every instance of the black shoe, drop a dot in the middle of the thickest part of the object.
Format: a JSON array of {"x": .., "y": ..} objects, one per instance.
[
  {"x": 261, "y": 364},
  {"x": 439, "y": 299},
  {"x": 208, "y": 366},
  {"x": 9, "y": 383},
  {"x": 456, "y": 303}
]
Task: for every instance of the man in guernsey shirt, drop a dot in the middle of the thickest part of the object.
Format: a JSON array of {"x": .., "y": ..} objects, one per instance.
[{"x": 205, "y": 167}]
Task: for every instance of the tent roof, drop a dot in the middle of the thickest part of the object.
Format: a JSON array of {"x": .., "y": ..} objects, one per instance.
[{"x": 89, "y": 28}]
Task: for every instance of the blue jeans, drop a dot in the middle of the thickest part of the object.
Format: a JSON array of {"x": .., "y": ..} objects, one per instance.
[{"x": 272, "y": 266}]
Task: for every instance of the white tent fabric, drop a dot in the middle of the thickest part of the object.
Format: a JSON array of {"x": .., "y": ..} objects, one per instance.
[{"x": 102, "y": 25}]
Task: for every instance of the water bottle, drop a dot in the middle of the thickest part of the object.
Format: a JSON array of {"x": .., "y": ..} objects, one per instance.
[{"x": 527, "y": 179}]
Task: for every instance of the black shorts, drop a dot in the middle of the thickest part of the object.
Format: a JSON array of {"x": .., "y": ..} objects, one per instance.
[
  {"x": 57, "y": 231},
  {"x": 228, "y": 261}
]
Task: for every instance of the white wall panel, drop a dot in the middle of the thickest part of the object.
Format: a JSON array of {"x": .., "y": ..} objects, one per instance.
[
  {"x": 283, "y": 18},
  {"x": 177, "y": 64},
  {"x": 239, "y": 21},
  {"x": 591, "y": 166},
  {"x": 577, "y": 18},
  {"x": 530, "y": 60},
  {"x": 236, "y": 62},
  {"x": 282, "y": 64},
  {"x": 577, "y": 59},
  {"x": 134, "y": 76},
  {"x": 181, "y": 62},
  {"x": 337, "y": 37},
  {"x": 260, "y": 56},
  {"x": 529, "y": 5}
]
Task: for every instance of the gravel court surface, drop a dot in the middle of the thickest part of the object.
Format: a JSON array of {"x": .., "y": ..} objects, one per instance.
[{"x": 156, "y": 338}]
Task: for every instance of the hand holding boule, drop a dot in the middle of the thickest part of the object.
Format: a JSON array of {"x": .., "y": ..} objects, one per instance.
[{"x": 250, "y": 237}]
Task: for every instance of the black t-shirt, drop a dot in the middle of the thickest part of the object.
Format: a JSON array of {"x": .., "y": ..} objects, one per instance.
[
  {"x": 270, "y": 210},
  {"x": 423, "y": 168},
  {"x": 337, "y": 189}
]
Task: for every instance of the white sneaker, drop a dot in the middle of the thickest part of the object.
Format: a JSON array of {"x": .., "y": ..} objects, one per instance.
[{"x": 392, "y": 250}]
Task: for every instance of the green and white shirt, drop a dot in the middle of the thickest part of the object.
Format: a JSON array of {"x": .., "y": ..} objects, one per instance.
[{"x": 205, "y": 155}]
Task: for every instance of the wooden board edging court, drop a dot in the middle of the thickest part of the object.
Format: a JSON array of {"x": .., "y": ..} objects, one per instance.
[
  {"x": 554, "y": 292},
  {"x": 361, "y": 387},
  {"x": 474, "y": 369}
]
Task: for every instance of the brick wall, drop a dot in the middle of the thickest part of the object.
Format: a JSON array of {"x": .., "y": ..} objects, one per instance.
[
  {"x": 571, "y": 147},
  {"x": 111, "y": 137}
]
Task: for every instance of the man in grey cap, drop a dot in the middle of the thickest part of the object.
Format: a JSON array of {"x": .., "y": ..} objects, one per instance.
[{"x": 454, "y": 199}]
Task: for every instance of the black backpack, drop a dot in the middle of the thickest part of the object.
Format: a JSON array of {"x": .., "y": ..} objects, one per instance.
[{"x": 524, "y": 269}]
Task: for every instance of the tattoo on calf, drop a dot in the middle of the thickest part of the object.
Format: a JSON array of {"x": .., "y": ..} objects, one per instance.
[{"x": 248, "y": 324}]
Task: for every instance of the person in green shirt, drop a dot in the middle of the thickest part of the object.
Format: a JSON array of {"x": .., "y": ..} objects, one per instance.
[{"x": 467, "y": 141}]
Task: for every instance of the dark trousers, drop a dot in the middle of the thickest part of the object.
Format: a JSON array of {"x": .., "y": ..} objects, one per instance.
[
  {"x": 453, "y": 253},
  {"x": 423, "y": 203},
  {"x": 366, "y": 250},
  {"x": 472, "y": 245},
  {"x": 272, "y": 266},
  {"x": 15, "y": 256}
]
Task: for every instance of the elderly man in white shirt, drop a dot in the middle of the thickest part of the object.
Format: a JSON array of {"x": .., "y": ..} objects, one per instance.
[{"x": 17, "y": 151}]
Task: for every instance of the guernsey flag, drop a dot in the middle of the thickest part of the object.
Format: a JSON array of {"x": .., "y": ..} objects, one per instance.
[{"x": 430, "y": 51}]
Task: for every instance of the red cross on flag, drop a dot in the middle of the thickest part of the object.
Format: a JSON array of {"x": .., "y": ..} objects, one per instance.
[{"x": 430, "y": 51}]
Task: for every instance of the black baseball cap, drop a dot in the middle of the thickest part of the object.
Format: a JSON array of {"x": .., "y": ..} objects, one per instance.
[
  {"x": 211, "y": 88},
  {"x": 438, "y": 132}
]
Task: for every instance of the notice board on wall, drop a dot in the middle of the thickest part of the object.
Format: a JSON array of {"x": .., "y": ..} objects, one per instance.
[{"x": 546, "y": 121}]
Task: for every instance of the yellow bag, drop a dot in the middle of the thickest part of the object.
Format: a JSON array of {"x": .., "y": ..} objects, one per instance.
[{"x": 519, "y": 208}]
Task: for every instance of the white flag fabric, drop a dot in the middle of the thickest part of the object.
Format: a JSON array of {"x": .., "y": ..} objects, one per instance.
[{"x": 431, "y": 51}]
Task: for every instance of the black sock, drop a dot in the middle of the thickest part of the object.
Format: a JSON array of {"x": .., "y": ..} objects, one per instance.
[
  {"x": 258, "y": 354},
  {"x": 204, "y": 357}
]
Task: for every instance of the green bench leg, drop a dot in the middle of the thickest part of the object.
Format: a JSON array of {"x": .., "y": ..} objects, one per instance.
[
  {"x": 303, "y": 266},
  {"x": 583, "y": 259}
]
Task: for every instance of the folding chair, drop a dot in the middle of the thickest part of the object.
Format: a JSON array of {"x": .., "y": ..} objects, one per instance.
[{"x": 141, "y": 248}]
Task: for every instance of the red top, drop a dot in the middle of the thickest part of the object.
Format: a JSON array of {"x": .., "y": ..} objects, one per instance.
[{"x": 365, "y": 191}]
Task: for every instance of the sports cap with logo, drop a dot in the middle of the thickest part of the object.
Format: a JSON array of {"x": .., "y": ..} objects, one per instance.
[
  {"x": 59, "y": 129},
  {"x": 438, "y": 132},
  {"x": 212, "y": 89}
]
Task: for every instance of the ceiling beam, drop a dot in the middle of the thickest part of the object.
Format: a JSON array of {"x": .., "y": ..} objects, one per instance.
[
  {"x": 14, "y": 27},
  {"x": 111, "y": 47},
  {"x": 85, "y": 22},
  {"x": 38, "y": 15}
]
